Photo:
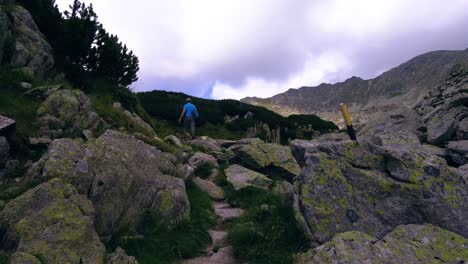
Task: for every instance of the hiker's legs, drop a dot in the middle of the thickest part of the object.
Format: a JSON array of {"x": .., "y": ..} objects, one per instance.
[
  {"x": 192, "y": 127},
  {"x": 186, "y": 123}
]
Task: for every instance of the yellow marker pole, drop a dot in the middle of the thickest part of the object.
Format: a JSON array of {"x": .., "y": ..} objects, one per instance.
[{"x": 349, "y": 125}]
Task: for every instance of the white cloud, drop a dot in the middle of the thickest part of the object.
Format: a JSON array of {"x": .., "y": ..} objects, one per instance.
[
  {"x": 263, "y": 47},
  {"x": 315, "y": 71}
]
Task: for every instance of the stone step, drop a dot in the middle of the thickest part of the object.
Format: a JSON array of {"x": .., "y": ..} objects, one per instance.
[
  {"x": 218, "y": 238},
  {"x": 225, "y": 212}
]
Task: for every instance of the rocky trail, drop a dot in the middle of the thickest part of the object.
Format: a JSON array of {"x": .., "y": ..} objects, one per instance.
[{"x": 219, "y": 251}]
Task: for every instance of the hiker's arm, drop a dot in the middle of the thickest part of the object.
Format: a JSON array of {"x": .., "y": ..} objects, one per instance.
[{"x": 181, "y": 115}]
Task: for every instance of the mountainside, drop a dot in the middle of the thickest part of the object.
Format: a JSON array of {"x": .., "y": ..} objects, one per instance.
[
  {"x": 233, "y": 119},
  {"x": 405, "y": 84}
]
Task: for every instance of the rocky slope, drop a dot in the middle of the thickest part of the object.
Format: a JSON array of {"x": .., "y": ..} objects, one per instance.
[{"x": 405, "y": 84}]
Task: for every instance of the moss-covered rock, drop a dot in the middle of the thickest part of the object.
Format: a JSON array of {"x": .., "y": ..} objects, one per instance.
[
  {"x": 121, "y": 175},
  {"x": 256, "y": 154},
  {"x": 347, "y": 186},
  {"x": 66, "y": 113},
  {"x": 405, "y": 244},
  {"x": 53, "y": 223},
  {"x": 241, "y": 177}
]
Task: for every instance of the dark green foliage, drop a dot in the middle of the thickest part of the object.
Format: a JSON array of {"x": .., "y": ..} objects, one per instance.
[
  {"x": 162, "y": 244},
  {"x": 111, "y": 59},
  {"x": 268, "y": 232},
  {"x": 4, "y": 258},
  {"x": 204, "y": 170},
  {"x": 167, "y": 106}
]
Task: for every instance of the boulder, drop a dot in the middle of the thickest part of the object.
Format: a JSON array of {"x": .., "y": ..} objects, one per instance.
[
  {"x": 43, "y": 92},
  {"x": 173, "y": 140},
  {"x": 441, "y": 128},
  {"x": 7, "y": 128},
  {"x": 405, "y": 244},
  {"x": 67, "y": 113},
  {"x": 30, "y": 47},
  {"x": 52, "y": 222},
  {"x": 200, "y": 158},
  {"x": 346, "y": 186},
  {"x": 458, "y": 151},
  {"x": 207, "y": 144},
  {"x": 120, "y": 257},
  {"x": 214, "y": 191},
  {"x": 462, "y": 130},
  {"x": 137, "y": 122},
  {"x": 463, "y": 171},
  {"x": 185, "y": 172},
  {"x": 258, "y": 155},
  {"x": 241, "y": 177},
  {"x": 397, "y": 126},
  {"x": 122, "y": 176},
  {"x": 225, "y": 212}
]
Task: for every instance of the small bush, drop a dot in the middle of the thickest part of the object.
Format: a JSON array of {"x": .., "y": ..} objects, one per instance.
[{"x": 204, "y": 171}]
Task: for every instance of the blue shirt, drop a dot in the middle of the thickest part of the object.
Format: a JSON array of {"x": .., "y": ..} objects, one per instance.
[{"x": 190, "y": 110}]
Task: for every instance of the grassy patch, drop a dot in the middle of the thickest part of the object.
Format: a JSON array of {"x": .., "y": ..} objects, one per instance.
[
  {"x": 15, "y": 105},
  {"x": 268, "y": 232},
  {"x": 161, "y": 244},
  {"x": 4, "y": 257},
  {"x": 204, "y": 171},
  {"x": 9, "y": 191}
]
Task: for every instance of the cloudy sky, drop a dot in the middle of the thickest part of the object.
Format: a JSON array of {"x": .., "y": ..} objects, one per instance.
[{"x": 238, "y": 48}]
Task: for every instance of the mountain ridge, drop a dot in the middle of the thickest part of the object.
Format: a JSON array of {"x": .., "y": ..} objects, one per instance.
[{"x": 407, "y": 83}]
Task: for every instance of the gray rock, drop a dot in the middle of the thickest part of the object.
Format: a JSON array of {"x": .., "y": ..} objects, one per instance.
[
  {"x": 398, "y": 126},
  {"x": 200, "y": 158},
  {"x": 120, "y": 257},
  {"x": 30, "y": 49},
  {"x": 7, "y": 128},
  {"x": 122, "y": 176},
  {"x": 256, "y": 154},
  {"x": 241, "y": 177},
  {"x": 67, "y": 113},
  {"x": 225, "y": 212},
  {"x": 52, "y": 218},
  {"x": 346, "y": 186},
  {"x": 173, "y": 140},
  {"x": 137, "y": 122},
  {"x": 185, "y": 172},
  {"x": 39, "y": 142},
  {"x": 462, "y": 130},
  {"x": 434, "y": 150},
  {"x": 25, "y": 85},
  {"x": 214, "y": 191},
  {"x": 405, "y": 244},
  {"x": 458, "y": 151},
  {"x": 218, "y": 238},
  {"x": 224, "y": 256},
  {"x": 207, "y": 144},
  {"x": 43, "y": 92},
  {"x": 441, "y": 128},
  {"x": 463, "y": 171}
]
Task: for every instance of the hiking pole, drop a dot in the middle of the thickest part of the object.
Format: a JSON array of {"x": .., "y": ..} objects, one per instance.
[{"x": 349, "y": 125}]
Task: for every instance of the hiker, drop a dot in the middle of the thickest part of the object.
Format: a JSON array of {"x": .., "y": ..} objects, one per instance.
[{"x": 190, "y": 113}]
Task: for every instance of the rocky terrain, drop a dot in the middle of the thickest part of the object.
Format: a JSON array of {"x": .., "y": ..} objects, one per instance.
[{"x": 96, "y": 183}]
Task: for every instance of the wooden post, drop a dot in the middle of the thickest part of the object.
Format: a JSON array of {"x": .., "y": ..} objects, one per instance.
[{"x": 349, "y": 125}]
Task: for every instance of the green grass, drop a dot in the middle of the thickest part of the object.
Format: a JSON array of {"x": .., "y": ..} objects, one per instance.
[
  {"x": 268, "y": 232},
  {"x": 162, "y": 244},
  {"x": 15, "y": 105},
  {"x": 204, "y": 171},
  {"x": 4, "y": 257}
]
